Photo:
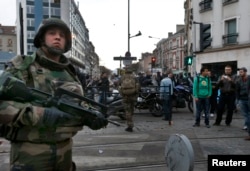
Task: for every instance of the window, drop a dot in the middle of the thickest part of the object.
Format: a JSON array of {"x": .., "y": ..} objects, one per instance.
[
  {"x": 226, "y": 2},
  {"x": 30, "y": 9},
  {"x": 205, "y": 5},
  {"x": 1, "y": 42},
  {"x": 55, "y": 11},
  {"x": 30, "y": 34},
  {"x": 9, "y": 43},
  {"x": 56, "y": 1},
  {"x": 231, "y": 32},
  {"x": 30, "y": 22}
]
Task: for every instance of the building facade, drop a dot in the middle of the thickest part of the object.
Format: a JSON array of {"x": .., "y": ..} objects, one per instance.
[
  {"x": 145, "y": 62},
  {"x": 8, "y": 41},
  {"x": 230, "y": 33},
  {"x": 170, "y": 51},
  {"x": 32, "y": 12}
]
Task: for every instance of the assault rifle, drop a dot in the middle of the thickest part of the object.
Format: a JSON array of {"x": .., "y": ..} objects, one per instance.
[{"x": 16, "y": 90}]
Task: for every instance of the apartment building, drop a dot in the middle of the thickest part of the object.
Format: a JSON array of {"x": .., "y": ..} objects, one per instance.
[
  {"x": 8, "y": 42},
  {"x": 229, "y": 29},
  {"x": 170, "y": 50},
  {"x": 30, "y": 14}
]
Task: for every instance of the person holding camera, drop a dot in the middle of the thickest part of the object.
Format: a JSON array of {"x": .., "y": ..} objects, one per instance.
[{"x": 227, "y": 86}]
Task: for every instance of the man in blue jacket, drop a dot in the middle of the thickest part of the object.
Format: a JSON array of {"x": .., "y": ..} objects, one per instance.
[{"x": 166, "y": 91}]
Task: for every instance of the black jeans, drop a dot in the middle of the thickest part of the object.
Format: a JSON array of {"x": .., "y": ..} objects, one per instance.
[
  {"x": 167, "y": 108},
  {"x": 226, "y": 99}
]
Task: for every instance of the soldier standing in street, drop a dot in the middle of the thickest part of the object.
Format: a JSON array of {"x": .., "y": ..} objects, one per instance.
[
  {"x": 41, "y": 137},
  {"x": 129, "y": 90}
]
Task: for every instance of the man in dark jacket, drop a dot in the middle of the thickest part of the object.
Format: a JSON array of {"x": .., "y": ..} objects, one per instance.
[
  {"x": 104, "y": 87},
  {"x": 243, "y": 97},
  {"x": 227, "y": 87}
]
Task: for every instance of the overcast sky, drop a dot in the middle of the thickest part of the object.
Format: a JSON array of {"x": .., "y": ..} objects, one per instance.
[{"x": 107, "y": 21}]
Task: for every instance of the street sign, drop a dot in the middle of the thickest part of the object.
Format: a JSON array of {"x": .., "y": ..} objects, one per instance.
[
  {"x": 126, "y": 60},
  {"x": 118, "y": 58}
]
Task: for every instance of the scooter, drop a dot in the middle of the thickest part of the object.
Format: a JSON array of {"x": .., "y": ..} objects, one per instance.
[{"x": 182, "y": 96}]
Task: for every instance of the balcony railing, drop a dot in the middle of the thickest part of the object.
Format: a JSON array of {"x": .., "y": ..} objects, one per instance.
[
  {"x": 230, "y": 39},
  {"x": 205, "y": 5},
  {"x": 226, "y": 2}
]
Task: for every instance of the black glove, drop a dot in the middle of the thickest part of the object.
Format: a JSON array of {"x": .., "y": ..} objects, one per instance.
[
  {"x": 97, "y": 122},
  {"x": 53, "y": 117}
]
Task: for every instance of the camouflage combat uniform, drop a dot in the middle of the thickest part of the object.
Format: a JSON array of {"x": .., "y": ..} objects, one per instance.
[
  {"x": 129, "y": 102},
  {"x": 37, "y": 148}
]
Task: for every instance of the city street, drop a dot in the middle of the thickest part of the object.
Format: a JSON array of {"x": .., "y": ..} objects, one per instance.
[{"x": 114, "y": 149}]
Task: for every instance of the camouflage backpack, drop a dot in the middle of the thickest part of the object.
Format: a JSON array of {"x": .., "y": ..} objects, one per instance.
[{"x": 128, "y": 85}]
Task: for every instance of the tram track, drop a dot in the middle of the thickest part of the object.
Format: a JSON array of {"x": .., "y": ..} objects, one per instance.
[
  {"x": 150, "y": 141},
  {"x": 141, "y": 167}
]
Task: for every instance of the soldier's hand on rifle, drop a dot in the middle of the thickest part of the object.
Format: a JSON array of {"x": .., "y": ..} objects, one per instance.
[
  {"x": 53, "y": 117},
  {"x": 97, "y": 122},
  {"x": 48, "y": 117}
]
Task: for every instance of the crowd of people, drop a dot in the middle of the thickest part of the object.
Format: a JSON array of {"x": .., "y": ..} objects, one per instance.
[
  {"x": 222, "y": 95},
  {"x": 214, "y": 94}
]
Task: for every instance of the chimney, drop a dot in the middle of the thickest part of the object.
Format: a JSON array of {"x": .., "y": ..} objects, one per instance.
[{"x": 170, "y": 34}]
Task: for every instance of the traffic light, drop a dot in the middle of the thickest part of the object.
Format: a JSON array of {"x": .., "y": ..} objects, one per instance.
[
  {"x": 188, "y": 60},
  {"x": 205, "y": 36},
  {"x": 153, "y": 60}
]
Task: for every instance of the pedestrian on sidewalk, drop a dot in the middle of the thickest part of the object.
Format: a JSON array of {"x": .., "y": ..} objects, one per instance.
[
  {"x": 213, "y": 97},
  {"x": 227, "y": 87},
  {"x": 242, "y": 94},
  {"x": 248, "y": 116},
  {"x": 166, "y": 92},
  {"x": 103, "y": 85},
  {"x": 202, "y": 90},
  {"x": 129, "y": 89}
]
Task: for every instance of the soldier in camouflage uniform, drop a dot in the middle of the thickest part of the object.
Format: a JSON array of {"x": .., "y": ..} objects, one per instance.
[
  {"x": 129, "y": 100},
  {"x": 41, "y": 138}
]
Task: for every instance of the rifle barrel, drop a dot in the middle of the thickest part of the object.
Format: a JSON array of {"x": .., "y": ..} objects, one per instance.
[{"x": 114, "y": 122}]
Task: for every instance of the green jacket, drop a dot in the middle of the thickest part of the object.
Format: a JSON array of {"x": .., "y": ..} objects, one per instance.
[{"x": 202, "y": 87}]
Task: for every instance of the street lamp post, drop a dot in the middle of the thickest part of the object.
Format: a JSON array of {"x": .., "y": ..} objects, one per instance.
[
  {"x": 128, "y": 54},
  {"x": 127, "y": 60}
]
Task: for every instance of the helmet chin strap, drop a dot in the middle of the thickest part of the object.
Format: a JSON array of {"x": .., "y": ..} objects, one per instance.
[{"x": 53, "y": 51}]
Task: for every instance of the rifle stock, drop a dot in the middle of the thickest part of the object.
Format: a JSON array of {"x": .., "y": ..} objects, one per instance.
[{"x": 16, "y": 90}]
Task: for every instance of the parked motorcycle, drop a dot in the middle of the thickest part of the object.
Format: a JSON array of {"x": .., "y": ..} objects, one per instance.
[
  {"x": 149, "y": 99},
  {"x": 182, "y": 96},
  {"x": 115, "y": 105}
]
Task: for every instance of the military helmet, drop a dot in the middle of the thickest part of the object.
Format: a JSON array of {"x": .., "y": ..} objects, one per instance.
[{"x": 52, "y": 22}]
